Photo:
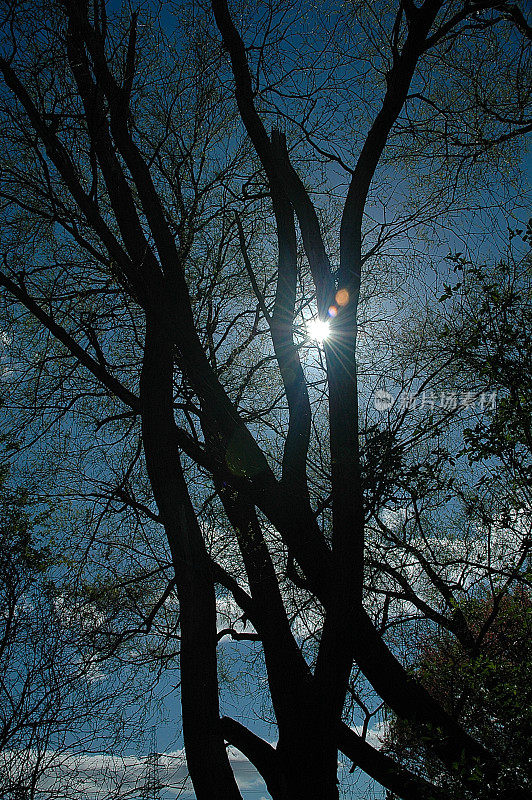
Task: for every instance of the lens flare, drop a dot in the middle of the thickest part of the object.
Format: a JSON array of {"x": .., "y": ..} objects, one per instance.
[{"x": 342, "y": 297}]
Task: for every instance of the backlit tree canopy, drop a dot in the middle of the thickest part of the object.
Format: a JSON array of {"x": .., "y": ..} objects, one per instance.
[{"x": 253, "y": 347}]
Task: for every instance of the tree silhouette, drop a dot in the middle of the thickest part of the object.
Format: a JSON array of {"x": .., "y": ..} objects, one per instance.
[{"x": 163, "y": 253}]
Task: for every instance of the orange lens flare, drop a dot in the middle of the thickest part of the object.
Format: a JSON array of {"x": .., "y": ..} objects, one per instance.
[{"x": 342, "y": 297}]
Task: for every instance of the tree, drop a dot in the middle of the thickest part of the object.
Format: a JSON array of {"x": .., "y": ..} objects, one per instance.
[
  {"x": 487, "y": 690},
  {"x": 43, "y": 682},
  {"x": 56, "y": 703},
  {"x": 166, "y": 339},
  {"x": 481, "y": 345}
]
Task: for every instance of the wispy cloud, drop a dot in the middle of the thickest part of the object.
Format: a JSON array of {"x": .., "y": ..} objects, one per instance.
[{"x": 102, "y": 776}]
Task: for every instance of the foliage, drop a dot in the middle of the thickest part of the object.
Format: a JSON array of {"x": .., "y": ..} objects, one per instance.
[
  {"x": 487, "y": 688},
  {"x": 56, "y": 700},
  {"x": 489, "y": 341}
]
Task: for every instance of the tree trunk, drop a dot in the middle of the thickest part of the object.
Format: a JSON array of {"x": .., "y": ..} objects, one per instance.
[
  {"x": 207, "y": 758},
  {"x": 309, "y": 761}
]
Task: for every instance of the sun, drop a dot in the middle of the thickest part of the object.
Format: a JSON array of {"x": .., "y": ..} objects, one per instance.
[{"x": 318, "y": 329}]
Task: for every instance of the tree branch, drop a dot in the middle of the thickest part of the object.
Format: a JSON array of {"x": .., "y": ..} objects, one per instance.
[
  {"x": 261, "y": 754},
  {"x": 384, "y": 769},
  {"x": 95, "y": 367}
]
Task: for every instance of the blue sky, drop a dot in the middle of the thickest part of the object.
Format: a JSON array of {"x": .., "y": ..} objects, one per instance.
[{"x": 94, "y": 775}]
